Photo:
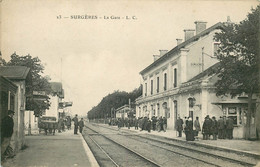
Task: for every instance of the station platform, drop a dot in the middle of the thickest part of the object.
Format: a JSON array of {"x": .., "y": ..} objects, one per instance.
[
  {"x": 62, "y": 149},
  {"x": 235, "y": 145}
]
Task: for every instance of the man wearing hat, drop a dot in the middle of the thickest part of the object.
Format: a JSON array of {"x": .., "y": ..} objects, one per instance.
[
  {"x": 6, "y": 131},
  {"x": 76, "y": 124}
]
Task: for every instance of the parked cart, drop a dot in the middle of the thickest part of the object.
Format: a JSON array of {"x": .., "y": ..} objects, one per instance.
[{"x": 48, "y": 124}]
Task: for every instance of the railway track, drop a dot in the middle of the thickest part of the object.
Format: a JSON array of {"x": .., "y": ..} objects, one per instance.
[
  {"x": 113, "y": 152},
  {"x": 199, "y": 154}
]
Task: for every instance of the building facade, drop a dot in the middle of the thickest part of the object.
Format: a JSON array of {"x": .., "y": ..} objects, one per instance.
[
  {"x": 18, "y": 76},
  {"x": 178, "y": 83},
  {"x": 55, "y": 99}
]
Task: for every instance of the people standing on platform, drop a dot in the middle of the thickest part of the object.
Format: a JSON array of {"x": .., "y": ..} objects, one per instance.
[
  {"x": 160, "y": 124},
  {"x": 197, "y": 127},
  {"x": 154, "y": 123},
  {"x": 68, "y": 123},
  {"x": 230, "y": 127},
  {"x": 145, "y": 123},
  {"x": 119, "y": 123},
  {"x": 63, "y": 125},
  {"x": 60, "y": 122},
  {"x": 164, "y": 124},
  {"x": 221, "y": 128},
  {"x": 149, "y": 124},
  {"x": 189, "y": 130},
  {"x": 214, "y": 128},
  {"x": 225, "y": 127},
  {"x": 185, "y": 122},
  {"x": 140, "y": 123},
  {"x": 128, "y": 123},
  {"x": 7, "y": 126},
  {"x": 179, "y": 126},
  {"x": 206, "y": 128},
  {"x": 136, "y": 123},
  {"x": 81, "y": 125},
  {"x": 76, "y": 124}
]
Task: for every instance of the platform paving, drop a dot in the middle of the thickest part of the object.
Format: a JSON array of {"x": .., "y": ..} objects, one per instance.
[{"x": 60, "y": 150}]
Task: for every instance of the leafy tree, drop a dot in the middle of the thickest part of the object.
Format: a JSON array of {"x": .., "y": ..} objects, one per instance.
[
  {"x": 238, "y": 54},
  {"x": 2, "y": 61},
  {"x": 35, "y": 82}
]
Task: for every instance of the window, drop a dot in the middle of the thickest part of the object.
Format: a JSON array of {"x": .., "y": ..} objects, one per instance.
[
  {"x": 165, "y": 81},
  {"x": 192, "y": 102},
  {"x": 232, "y": 113},
  {"x": 158, "y": 85},
  {"x": 175, "y": 77},
  {"x": 151, "y": 87}
]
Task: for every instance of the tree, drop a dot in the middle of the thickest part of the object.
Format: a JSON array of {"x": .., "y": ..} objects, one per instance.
[
  {"x": 115, "y": 100},
  {"x": 35, "y": 82},
  {"x": 238, "y": 54}
]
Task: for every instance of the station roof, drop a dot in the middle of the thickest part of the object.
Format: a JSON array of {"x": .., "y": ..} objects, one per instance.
[
  {"x": 218, "y": 25},
  {"x": 14, "y": 72}
]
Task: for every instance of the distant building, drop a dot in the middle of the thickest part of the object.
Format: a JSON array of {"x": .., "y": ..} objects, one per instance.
[
  {"x": 13, "y": 97},
  {"x": 55, "y": 99},
  {"x": 178, "y": 83},
  {"x": 123, "y": 112}
]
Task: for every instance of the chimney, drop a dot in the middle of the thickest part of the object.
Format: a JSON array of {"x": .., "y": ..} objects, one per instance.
[
  {"x": 228, "y": 19},
  {"x": 179, "y": 41},
  {"x": 188, "y": 33},
  {"x": 200, "y": 26},
  {"x": 162, "y": 52},
  {"x": 155, "y": 57}
]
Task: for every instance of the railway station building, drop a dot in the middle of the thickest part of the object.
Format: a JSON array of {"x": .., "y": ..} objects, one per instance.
[
  {"x": 13, "y": 81},
  {"x": 178, "y": 82}
]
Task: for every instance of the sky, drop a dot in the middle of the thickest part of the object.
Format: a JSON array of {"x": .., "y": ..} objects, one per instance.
[{"x": 85, "y": 46}]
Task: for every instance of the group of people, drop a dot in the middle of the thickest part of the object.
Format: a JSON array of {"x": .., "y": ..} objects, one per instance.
[
  {"x": 62, "y": 122},
  {"x": 222, "y": 128},
  {"x": 78, "y": 124},
  {"x": 142, "y": 123}
]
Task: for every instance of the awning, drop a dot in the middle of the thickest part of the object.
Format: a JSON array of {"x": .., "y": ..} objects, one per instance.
[{"x": 233, "y": 101}]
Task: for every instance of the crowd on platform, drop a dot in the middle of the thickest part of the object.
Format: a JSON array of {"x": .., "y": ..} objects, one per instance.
[{"x": 221, "y": 128}]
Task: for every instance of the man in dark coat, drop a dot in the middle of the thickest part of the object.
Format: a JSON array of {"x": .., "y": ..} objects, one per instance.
[
  {"x": 68, "y": 122},
  {"x": 144, "y": 127},
  {"x": 189, "y": 130},
  {"x": 164, "y": 124},
  {"x": 220, "y": 127},
  {"x": 81, "y": 125},
  {"x": 136, "y": 123},
  {"x": 214, "y": 128},
  {"x": 149, "y": 124},
  {"x": 154, "y": 120},
  {"x": 206, "y": 128},
  {"x": 76, "y": 124},
  {"x": 179, "y": 126},
  {"x": 230, "y": 128},
  {"x": 6, "y": 131}
]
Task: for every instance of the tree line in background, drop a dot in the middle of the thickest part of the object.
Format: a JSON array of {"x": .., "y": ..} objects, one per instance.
[{"x": 112, "y": 102}]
